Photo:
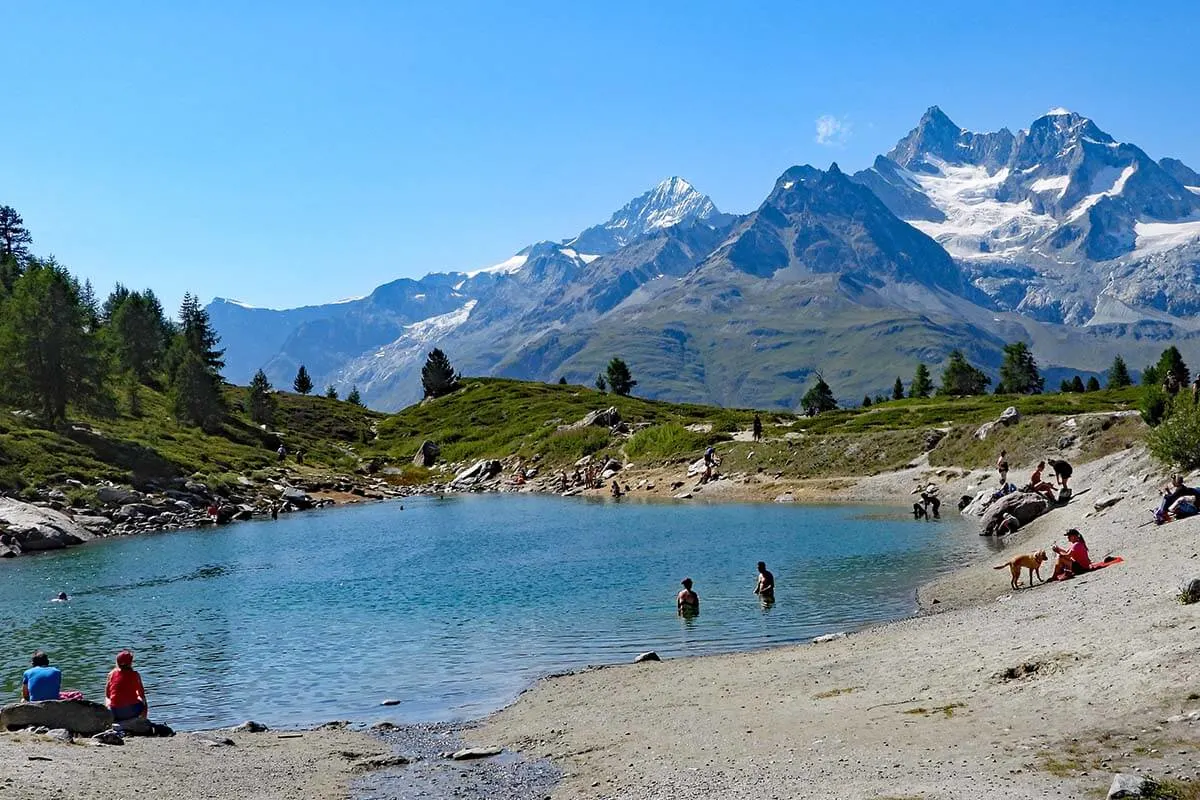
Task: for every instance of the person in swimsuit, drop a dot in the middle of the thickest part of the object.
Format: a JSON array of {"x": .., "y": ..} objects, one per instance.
[
  {"x": 1002, "y": 467},
  {"x": 1073, "y": 560},
  {"x": 124, "y": 695},
  {"x": 687, "y": 603},
  {"x": 765, "y": 589},
  {"x": 1038, "y": 484}
]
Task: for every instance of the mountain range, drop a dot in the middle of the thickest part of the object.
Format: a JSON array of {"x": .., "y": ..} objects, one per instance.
[{"x": 1057, "y": 235}]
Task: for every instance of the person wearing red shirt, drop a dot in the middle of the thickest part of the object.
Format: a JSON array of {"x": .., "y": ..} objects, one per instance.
[
  {"x": 1074, "y": 560},
  {"x": 125, "y": 696}
]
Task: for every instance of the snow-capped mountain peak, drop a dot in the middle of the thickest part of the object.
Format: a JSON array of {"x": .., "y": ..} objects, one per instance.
[{"x": 671, "y": 202}]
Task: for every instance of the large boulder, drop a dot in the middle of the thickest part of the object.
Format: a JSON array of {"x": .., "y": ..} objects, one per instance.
[
  {"x": 297, "y": 497},
  {"x": 427, "y": 454},
  {"x": 117, "y": 496},
  {"x": 478, "y": 472},
  {"x": 607, "y": 418},
  {"x": 1010, "y": 416},
  {"x": 26, "y": 528},
  {"x": 978, "y": 504},
  {"x": 81, "y": 717},
  {"x": 1025, "y": 506}
]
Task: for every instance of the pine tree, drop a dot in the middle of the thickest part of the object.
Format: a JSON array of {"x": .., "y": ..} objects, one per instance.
[
  {"x": 354, "y": 398},
  {"x": 198, "y": 332},
  {"x": 262, "y": 401},
  {"x": 601, "y": 384},
  {"x": 1150, "y": 376},
  {"x": 331, "y": 392},
  {"x": 136, "y": 335},
  {"x": 866, "y": 403},
  {"x": 438, "y": 376},
  {"x": 1065, "y": 386},
  {"x": 48, "y": 355},
  {"x": 195, "y": 392},
  {"x": 819, "y": 398},
  {"x": 922, "y": 385},
  {"x": 1118, "y": 374},
  {"x": 1170, "y": 367},
  {"x": 302, "y": 384},
  {"x": 898, "y": 389},
  {"x": 1077, "y": 384},
  {"x": 1093, "y": 384},
  {"x": 619, "y": 378},
  {"x": 562, "y": 381},
  {"x": 1000, "y": 388},
  {"x": 960, "y": 379},
  {"x": 15, "y": 239},
  {"x": 1019, "y": 372}
]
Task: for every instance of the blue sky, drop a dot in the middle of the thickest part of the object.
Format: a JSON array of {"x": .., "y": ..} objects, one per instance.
[{"x": 293, "y": 153}]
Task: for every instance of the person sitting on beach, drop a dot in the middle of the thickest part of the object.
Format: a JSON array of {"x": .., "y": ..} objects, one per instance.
[
  {"x": 124, "y": 695},
  {"x": 1074, "y": 560},
  {"x": 687, "y": 603},
  {"x": 765, "y": 589},
  {"x": 1002, "y": 467},
  {"x": 1039, "y": 485},
  {"x": 1172, "y": 493},
  {"x": 616, "y": 490},
  {"x": 41, "y": 681}
]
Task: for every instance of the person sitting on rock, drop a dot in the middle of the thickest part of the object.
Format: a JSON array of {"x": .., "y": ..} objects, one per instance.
[
  {"x": 124, "y": 695},
  {"x": 1008, "y": 524},
  {"x": 1074, "y": 560},
  {"x": 687, "y": 603},
  {"x": 1039, "y": 485},
  {"x": 41, "y": 681},
  {"x": 1172, "y": 493}
]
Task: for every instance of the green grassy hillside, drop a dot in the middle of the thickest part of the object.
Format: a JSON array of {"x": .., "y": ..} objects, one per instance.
[{"x": 151, "y": 445}]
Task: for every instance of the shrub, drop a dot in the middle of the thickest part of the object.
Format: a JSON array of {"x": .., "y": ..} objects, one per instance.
[
  {"x": 573, "y": 445},
  {"x": 1177, "y": 440},
  {"x": 665, "y": 441},
  {"x": 1155, "y": 405}
]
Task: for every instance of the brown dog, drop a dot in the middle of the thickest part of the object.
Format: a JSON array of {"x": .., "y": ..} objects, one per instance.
[{"x": 1030, "y": 561}]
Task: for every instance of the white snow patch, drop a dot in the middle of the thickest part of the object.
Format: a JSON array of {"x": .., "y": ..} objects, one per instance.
[
  {"x": 1058, "y": 112},
  {"x": 588, "y": 258},
  {"x": 505, "y": 267},
  {"x": 347, "y": 300},
  {"x": 418, "y": 297},
  {"x": 458, "y": 285},
  {"x": 1158, "y": 237},
  {"x": 1193, "y": 189},
  {"x": 438, "y": 326},
  {"x": 239, "y": 303},
  {"x": 1058, "y": 182},
  {"x": 1104, "y": 176}
]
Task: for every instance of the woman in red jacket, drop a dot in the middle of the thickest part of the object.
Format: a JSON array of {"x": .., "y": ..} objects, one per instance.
[{"x": 125, "y": 696}]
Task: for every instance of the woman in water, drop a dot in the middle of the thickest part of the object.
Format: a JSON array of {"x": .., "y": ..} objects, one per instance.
[
  {"x": 125, "y": 696},
  {"x": 687, "y": 603}
]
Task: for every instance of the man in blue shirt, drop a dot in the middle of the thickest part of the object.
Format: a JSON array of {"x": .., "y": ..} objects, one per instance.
[{"x": 41, "y": 681}]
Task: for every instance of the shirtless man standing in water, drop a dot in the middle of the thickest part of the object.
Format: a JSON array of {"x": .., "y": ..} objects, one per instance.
[
  {"x": 766, "y": 584},
  {"x": 687, "y": 603}
]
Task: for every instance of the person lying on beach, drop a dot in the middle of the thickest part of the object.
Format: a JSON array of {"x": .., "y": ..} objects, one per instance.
[
  {"x": 687, "y": 603},
  {"x": 124, "y": 695},
  {"x": 41, "y": 681},
  {"x": 1039, "y": 485},
  {"x": 765, "y": 589},
  {"x": 1074, "y": 560}
]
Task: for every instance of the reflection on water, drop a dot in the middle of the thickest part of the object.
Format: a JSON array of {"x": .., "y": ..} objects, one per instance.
[{"x": 454, "y": 606}]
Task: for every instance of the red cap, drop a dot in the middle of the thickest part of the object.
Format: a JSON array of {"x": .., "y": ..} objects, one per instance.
[{"x": 124, "y": 659}]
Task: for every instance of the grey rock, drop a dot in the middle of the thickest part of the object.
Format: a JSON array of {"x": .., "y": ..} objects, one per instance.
[
  {"x": 649, "y": 655},
  {"x": 606, "y": 418},
  {"x": 829, "y": 637},
  {"x": 786, "y": 497},
  {"x": 1010, "y": 416},
  {"x": 468, "y": 753},
  {"x": 1124, "y": 786},
  {"x": 427, "y": 454},
  {"x": 250, "y": 726},
  {"x": 136, "y": 511},
  {"x": 28, "y": 528},
  {"x": 372, "y": 763},
  {"x": 109, "y": 737},
  {"x": 1108, "y": 501},
  {"x": 478, "y": 472},
  {"x": 81, "y": 717},
  {"x": 216, "y": 741},
  {"x": 297, "y": 497},
  {"x": 117, "y": 496},
  {"x": 59, "y": 735},
  {"x": 1025, "y": 506}
]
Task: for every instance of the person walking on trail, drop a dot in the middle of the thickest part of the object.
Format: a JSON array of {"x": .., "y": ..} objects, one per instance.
[
  {"x": 710, "y": 461},
  {"x": 757, "y": 428},
  {"x": 687, "y": 602},
  {"x": 1002, "y": 467}
]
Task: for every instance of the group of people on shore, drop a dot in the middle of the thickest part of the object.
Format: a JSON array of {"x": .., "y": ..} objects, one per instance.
[
  {"x": 687, "y": 602},
  {"x": 124, "y": 693}
]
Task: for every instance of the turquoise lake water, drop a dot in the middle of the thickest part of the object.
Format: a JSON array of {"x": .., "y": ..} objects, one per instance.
[{"x": 451, "y": 606}]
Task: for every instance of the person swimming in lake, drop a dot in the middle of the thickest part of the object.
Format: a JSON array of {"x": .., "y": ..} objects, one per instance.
[
  {"x": 687, "y": 603},
  {"x": 124, "y": 694},
  {"x": 41, "y": 681},
  {"x": 61, "y": 597},
  {"x": 765, "y": 588}
]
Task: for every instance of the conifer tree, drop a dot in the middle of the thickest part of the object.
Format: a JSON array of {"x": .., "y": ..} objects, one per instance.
[
  {"x": 819, "y": 398},
  {"x": 354, "y": 398},
  {"x": 898, "y": 389},
  {"x": 136, "y": 333},
  {"x": 1019, "y": 372},
  {"x": 331, "y": 392},
  {"x": 1077, "y": 384},
  {"x": 1170, "y": 367},
  {"x": 262, "y": 401},
  {"x": 438, "y": 376},
  {"x": 1118, "y": 374},
  {"x": 195, "y": 392},
  {"x": 1093, "y": 384},
  {"x": 303, "y": 383},
  {"x": 866, "y": 403},
  {"x": 961, "y": 379},
  {"x": 1065, "y": 386},
  {"x": 198, "y": 333},
  {"x": 619, "y": 378},
  {"x": 922, "y": 385},
  {"x": 601, "y": 384},
  {"x": 15, "y": 238}
]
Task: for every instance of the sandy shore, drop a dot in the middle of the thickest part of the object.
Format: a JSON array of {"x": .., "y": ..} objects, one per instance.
[{"x": 992, "y": 693}]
